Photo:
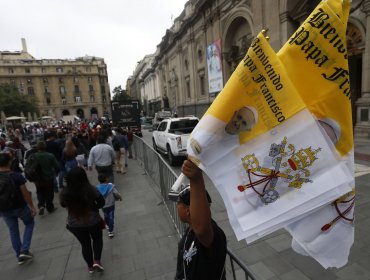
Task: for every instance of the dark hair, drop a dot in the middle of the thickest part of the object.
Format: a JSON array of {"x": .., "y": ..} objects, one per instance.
[
  {"x": 184, "y": 196},
  {"x": 102, "y": 177},
  {"x": 79, "y": 195},
  {"x": 41, "y": 146},
  {"x": 101, "y": 139},
  {"x": 4, "y": 159}
]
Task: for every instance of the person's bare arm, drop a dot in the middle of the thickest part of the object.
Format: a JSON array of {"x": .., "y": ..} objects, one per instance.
[
  {"x": 28, "y": 198},
  {"x": 200, "y": 212}
]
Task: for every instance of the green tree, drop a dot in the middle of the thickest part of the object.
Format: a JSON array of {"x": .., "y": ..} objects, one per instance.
[
  {"x": 12, "y": 102},
  {"x": 120, "y": 94}
]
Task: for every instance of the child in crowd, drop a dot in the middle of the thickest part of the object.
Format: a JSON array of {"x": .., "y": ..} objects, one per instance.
[{"x": 110, "y": 194}]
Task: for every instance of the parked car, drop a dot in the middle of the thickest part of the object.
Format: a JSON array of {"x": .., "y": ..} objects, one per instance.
[
  {"x": 160, "y": 116},
  {"x": 172, "y": 135}
]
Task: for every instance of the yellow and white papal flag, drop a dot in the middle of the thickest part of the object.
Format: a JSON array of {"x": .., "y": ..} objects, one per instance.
[
  {"x": 263, "y": 149},
  {"x": 315, "y": 58},
  {"x": 262, "y": 145}
]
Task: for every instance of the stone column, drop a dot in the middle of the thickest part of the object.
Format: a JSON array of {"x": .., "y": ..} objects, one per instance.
[
  {"x": 366, "y": 58},
  {"x": 362, "y": 126}
]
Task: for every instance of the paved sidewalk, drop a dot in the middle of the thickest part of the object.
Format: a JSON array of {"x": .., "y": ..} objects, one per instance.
[{"x": 144, "y": 246}]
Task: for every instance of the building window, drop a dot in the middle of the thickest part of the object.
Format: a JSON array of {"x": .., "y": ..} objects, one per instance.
[
  {"x": 77, "y": 89},
  {"x": 202, "y": 85},
  {"x": 91, "y": 88},
  {"x": 43, "y": 70},
  {"x": 88, "y": 69},
  {"x": 200, "y": 55},
  {"x": 75, "y": 80},
  {"x": 364, "y": 115},
  {"x": 31, "y": 91},
  {"x": 21, "y": 84},
  {"x": 186, "y": 65},
  {"x": 27, "y": 70},
  {"x": 59, "y": 69},
  {"x": 62, "y": 90},
  {"x": 74, "y": 69},
  {"x": 61, "y": 80},
  {"x": 92, "y": 98},
  {"x": 89, "y": 80},
  {"x": 48, "y": 101},
  {"x": 29, "y": 81},
  {"x": 46, "y": 89},
  {"x": 45, "y": 80},
  {"x": 64, "y": 101},
  {"x": 102, "y": 89},
  {"x": 104, "y": 98},
  {"x": 10, "y": 70},
  {"x": 78, "y": 99},
  {"x": 188, "y": 93},
  {"x": 12, "y": 82}
]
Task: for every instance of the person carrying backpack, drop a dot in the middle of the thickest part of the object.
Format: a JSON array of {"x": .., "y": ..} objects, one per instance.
[
  {"x": 49, "y": 167},
  {"x": 16, "y": 203}
]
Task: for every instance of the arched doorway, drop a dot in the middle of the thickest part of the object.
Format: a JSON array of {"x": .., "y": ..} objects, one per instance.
[
  {"x": 235, "y": 45},
  {"x": 355, "y": 43},
  {"x": 94, "y": 113},
  {"x": 80, "y": 113},
  {"x": 65, "y": 113}
]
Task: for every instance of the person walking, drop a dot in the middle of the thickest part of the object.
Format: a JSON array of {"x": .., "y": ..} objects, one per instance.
[
  {"x": 120, "y": 146},
  {"x": 110, "y": 194},
  {"x": 102, "y": 156},
  {"x": 83, "y": 202},
  {"x": 45, "y": 185},
  {"x": 16, "y": 203},
  {"x": 53, "y": 147},
  {"x": 202, "y": 249}
]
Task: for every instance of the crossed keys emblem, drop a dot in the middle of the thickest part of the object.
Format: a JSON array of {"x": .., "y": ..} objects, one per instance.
[{"x": 289, "y": 165}]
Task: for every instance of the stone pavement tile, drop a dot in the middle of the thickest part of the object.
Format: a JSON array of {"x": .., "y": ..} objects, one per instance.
[
  {"x": 362, "y": 233},
  {"x": 294, "y": 275},
  {"x": 311, "y": 268},
  {"x": 359, "y": 251},
  {"x": 255, "y": 252},
  {"x": 278, "y": 265},
  {"x": 136, "y": 275},
  {"x": 56, "y": 269},
  {"x": 159, "y": 269},
  {"x": 280, "y": 242},
  {"x": 115, "y": 267},
  {"x": 261, "y": 271},
  {"x": 167, "y": 276},
  {"x": 353, "y": 272},
  {"x": 146, "y": 245},
  {"x": 151, "y": 257}
]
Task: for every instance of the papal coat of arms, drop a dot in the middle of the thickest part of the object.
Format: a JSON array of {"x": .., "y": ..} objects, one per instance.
[{"x": 291, "y": 167}]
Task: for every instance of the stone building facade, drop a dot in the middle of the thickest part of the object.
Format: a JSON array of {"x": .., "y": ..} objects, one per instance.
[
  {"x": 61, "y": 86},
  {"x": 179, "y": 68}
]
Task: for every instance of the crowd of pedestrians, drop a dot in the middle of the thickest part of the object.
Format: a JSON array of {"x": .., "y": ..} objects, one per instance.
[
  {"x": 59, "y": 162},
  {"x": 59, "y": 157}
]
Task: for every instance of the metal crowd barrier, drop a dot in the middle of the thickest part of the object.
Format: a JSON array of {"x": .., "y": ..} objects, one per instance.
[{"x": 164, "y": 177}]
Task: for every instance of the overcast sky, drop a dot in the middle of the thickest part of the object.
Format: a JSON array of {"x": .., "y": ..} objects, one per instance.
[{"x": 120, "y": 31}]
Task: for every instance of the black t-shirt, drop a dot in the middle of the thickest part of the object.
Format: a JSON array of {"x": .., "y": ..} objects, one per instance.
[
  {"x": 18, "y": 180},
  {"x": 199, "y": 262}
]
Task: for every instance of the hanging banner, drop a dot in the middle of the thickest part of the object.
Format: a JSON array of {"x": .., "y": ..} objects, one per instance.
[{"x": 214, "y": 63}]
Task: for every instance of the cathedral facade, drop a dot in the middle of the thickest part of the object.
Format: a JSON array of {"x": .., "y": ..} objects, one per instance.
[{"x": 179, "y": 72}]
